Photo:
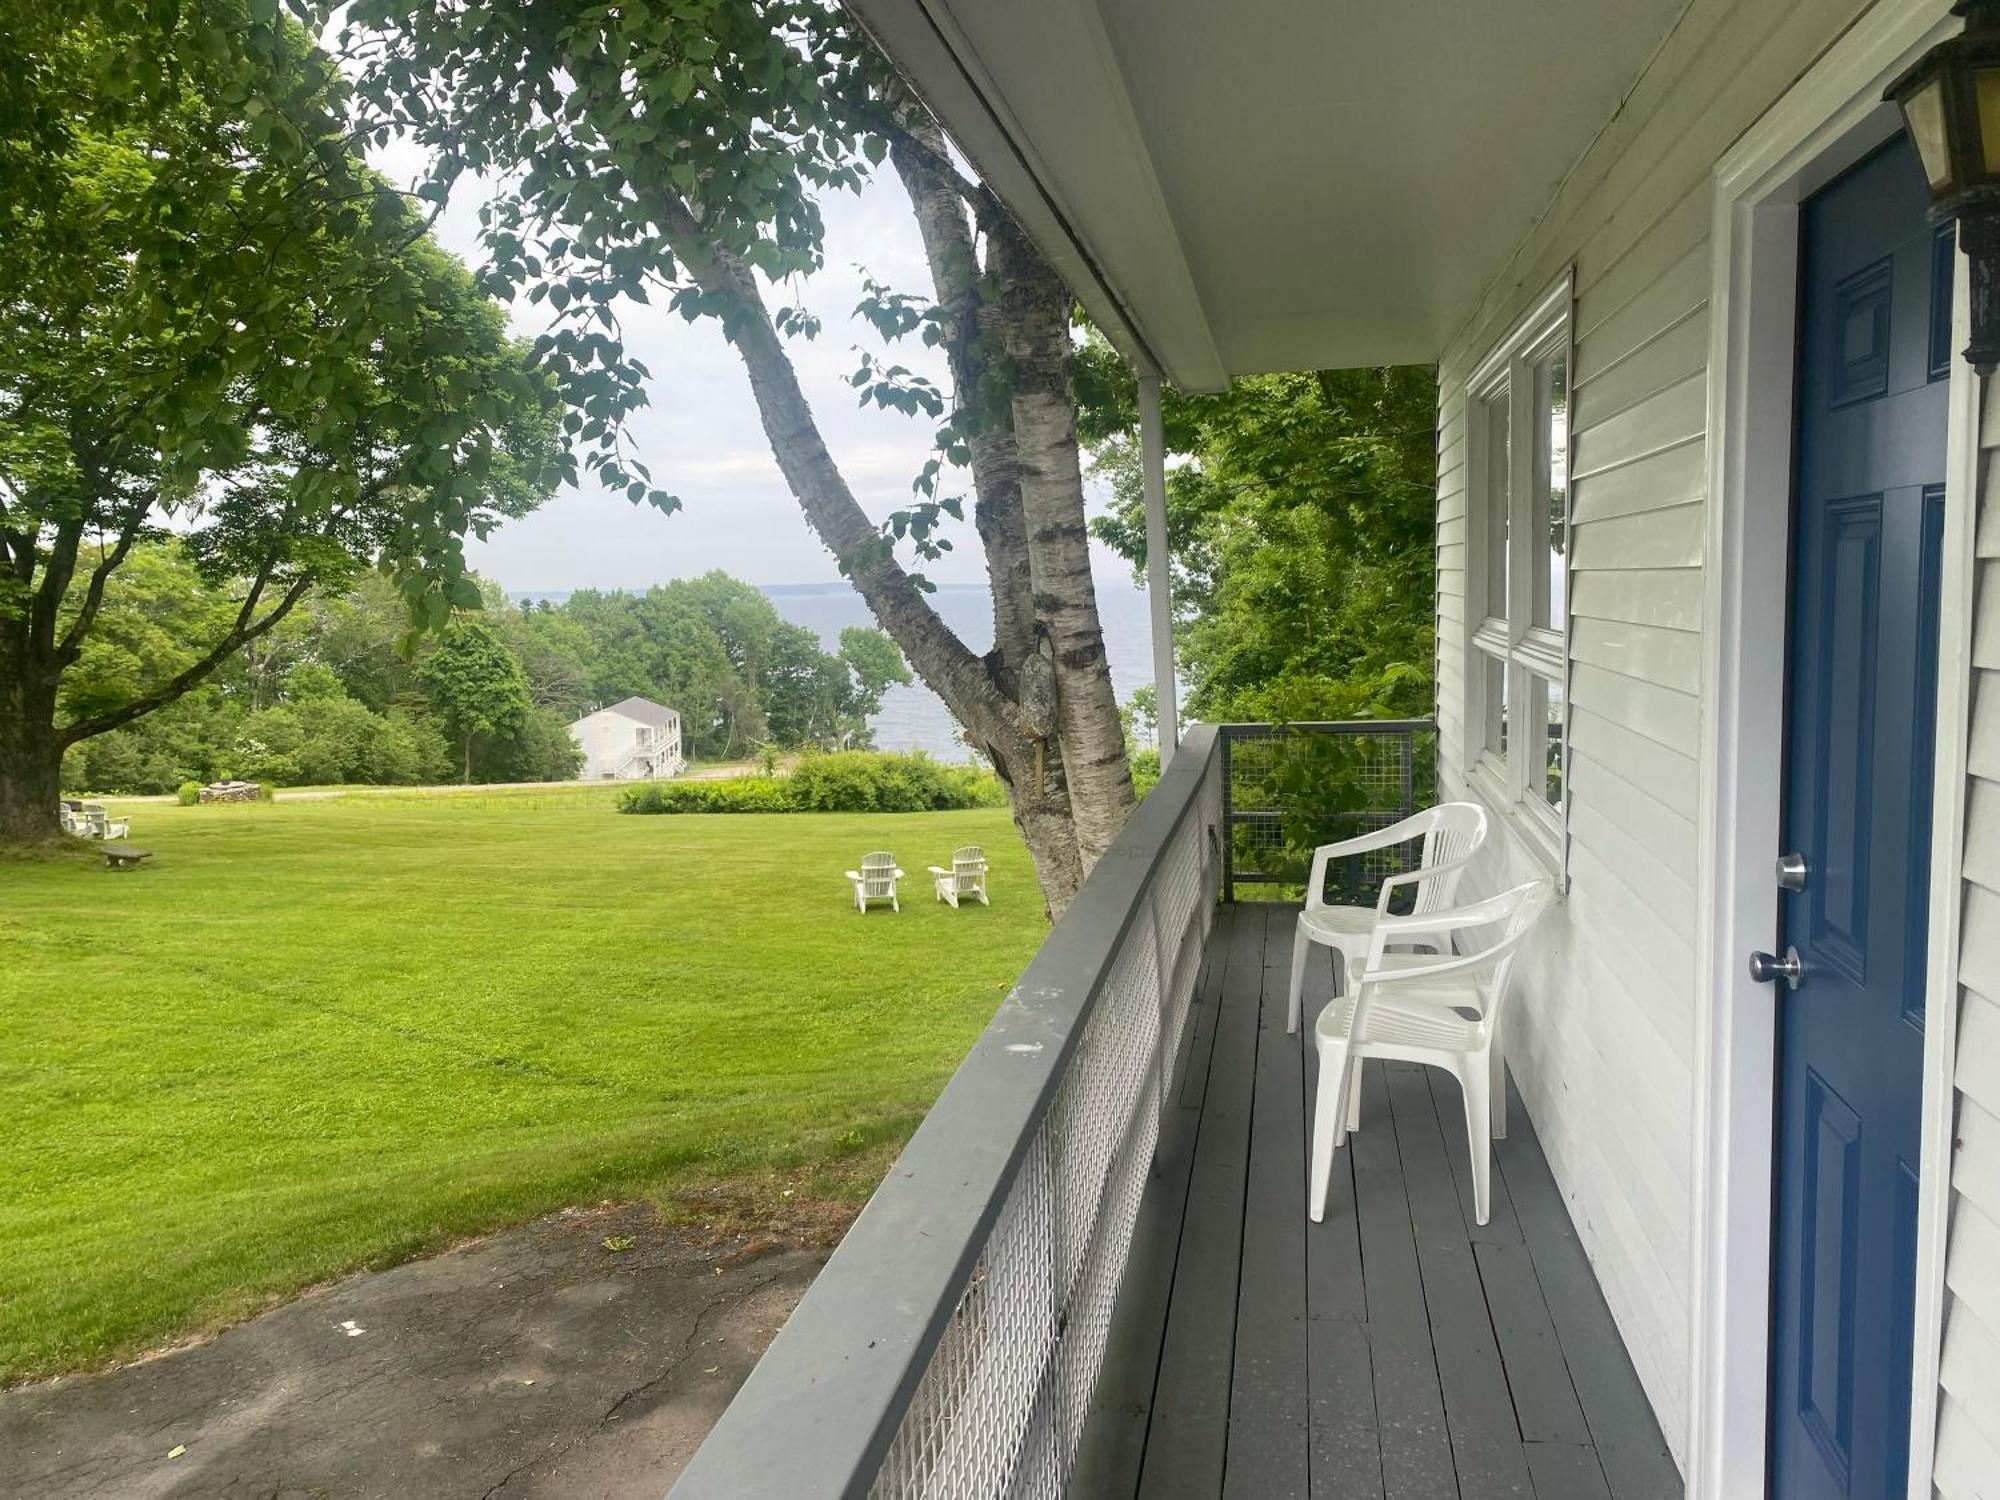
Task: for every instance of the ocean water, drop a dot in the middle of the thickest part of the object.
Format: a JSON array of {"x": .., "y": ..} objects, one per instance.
[{"x": 915, "y": 718}]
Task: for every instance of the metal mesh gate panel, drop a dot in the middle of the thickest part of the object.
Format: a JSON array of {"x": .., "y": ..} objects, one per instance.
[{"x": 1290, "y": 787}]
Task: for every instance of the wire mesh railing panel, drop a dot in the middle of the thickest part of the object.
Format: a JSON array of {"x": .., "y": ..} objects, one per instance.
[
  {"x": 1288, "y": 788},
  {"x": 1001, "y": 1406}
]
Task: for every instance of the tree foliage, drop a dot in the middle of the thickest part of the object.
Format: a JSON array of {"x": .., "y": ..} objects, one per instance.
[
  {"x": 218, "y": 323},
  {"x": 477, "y": 685},
  {"x": 337, "y": 691},
  {"x": 1300, "y": 525},
  {"x": 677, "y": 149}
]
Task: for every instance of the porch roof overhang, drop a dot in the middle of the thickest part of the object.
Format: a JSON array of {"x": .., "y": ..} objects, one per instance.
[{"x": 1267, "y": 185}]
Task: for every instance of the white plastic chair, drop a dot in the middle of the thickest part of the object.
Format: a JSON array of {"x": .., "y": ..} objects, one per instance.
[
  {"x": 1442, "y": 1012},
  {"x": 965, "y": 879},
  {"x": 876, "y": 881},
  {"x": 1452, "y": 833}
]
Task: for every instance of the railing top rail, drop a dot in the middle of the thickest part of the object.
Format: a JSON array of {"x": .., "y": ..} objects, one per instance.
[
  {"x": 1328, "y": 726},
  {"x": 819, "y": 1411}
]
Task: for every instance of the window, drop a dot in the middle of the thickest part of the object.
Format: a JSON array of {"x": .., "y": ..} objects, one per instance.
[{"x": 1517, "y": 416}]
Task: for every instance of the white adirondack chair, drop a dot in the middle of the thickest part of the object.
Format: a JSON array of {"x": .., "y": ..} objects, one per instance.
[
  {"x": 966, "y": 879},
  {"x": 72, "y": 822},
  {"x": 876, "y": 881},
  {"x": 1452, "y": 833},
  {"x": 1444, "y": 1012},
  {"x": 93, "y": 822}
]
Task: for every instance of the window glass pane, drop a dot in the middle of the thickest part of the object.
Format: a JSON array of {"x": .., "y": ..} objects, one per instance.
[
  {"x": 1495, "y": 502},
  {"x": 1551, "y": 418},
  {"x": 1496, "y": 705},
  {"x": 1553, "y": 770}
]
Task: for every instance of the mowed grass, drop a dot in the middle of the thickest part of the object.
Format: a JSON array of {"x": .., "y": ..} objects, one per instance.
[{"x": 314, "y": 1036}]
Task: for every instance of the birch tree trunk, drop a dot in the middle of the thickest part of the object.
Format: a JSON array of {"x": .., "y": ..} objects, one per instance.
[
  {"x": 1036, "y": 324},
  {"x": 1011, "y": 732}
]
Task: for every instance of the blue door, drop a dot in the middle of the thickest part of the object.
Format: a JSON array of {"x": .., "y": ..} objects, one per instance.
[{"x": 1874, "y": 329}]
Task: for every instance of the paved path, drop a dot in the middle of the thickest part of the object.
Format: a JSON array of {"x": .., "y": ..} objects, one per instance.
[{"x": 532, "y": 1364}]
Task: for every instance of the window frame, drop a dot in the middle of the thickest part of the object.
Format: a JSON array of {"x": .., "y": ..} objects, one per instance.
[{"x": 1503, "y": 412}]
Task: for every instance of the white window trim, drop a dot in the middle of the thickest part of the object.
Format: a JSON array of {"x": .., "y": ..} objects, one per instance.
[{"x": 1528, "y": 651}]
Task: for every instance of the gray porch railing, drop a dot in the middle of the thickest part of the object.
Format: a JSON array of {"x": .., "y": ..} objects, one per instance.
[{"x": 951, "y": 1347}]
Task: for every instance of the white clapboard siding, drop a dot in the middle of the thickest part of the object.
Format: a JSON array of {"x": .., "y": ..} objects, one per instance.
[
  {"x": 1966, "y": 1461},
  {"x": 1604, "y": 1042},
  {"x": 1977, "y": 1175},
  {"x": 1968, "y": 1435},
  {"x": 1670, "y": 776}
]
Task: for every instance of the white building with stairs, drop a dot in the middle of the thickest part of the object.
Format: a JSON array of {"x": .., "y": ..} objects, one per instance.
[{"x": 634, "y": 740}]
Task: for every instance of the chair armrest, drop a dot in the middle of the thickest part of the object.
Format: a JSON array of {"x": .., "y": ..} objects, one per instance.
[
  {"x": 854, "y": 875},
  {"x": 1382, "y": 838},
  {"x": 1411, "y": 877},
  {"x": 1477, "y": 914},
  {"x": 937, "y": 869},
  {"x": 1380, "y": 978}
]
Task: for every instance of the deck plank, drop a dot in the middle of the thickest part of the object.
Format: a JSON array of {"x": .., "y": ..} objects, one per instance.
[
  {"x": 1545, "y": 1400},
  {"x": 1344, "y": 1455},
  {"x": 1565, "y": 1472},
  {"x": 1268, "y": 1391},
  {"x": 1189, "y": 1433},
  {"x": 1634, "y": 1456},
  {"x": 1479, "y": 1411},
  {"x": 1113, "y": 1449},
  {"x": 1395, "y": 1351},
  {"x": 1502, "y": 1227}
]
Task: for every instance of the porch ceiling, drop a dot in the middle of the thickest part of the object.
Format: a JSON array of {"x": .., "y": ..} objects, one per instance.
[{"x": 1268, "y": 184}]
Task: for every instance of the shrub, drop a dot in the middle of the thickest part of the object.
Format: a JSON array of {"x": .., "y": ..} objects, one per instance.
[
  {"x": 847, "y": 781},
  {"x": 188, "y": 793},
  {"x": 738, "y": 794},
  {"x": 1145, "y": 768},
  {"x": 873, "y": 781}
]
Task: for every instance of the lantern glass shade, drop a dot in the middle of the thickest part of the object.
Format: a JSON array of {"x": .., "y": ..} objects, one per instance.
[
  {"x": 1923, "y": 112},
  {"x": 1986, "y": 94}
]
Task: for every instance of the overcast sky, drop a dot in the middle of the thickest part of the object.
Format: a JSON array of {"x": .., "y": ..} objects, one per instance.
[{"x": 700, "y": 435}]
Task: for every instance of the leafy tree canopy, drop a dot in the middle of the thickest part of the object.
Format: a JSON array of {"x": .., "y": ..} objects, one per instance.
[
  {"x": 1300, "y": 524},
  {"x": 218, "y": 324}
]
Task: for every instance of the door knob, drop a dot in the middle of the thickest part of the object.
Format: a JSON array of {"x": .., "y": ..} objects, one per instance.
[
  {"x": 1767, "y": 968},
  {"x": 1791, "y": 872}
]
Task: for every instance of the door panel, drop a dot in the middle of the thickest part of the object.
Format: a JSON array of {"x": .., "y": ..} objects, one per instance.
[{"x": 1862, "y": 653}]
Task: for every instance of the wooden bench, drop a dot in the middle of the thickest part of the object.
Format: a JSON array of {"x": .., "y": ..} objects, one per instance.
[{"x": 125, "y": 858}]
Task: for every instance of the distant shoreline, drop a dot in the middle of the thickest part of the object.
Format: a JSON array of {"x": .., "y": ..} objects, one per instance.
[{"x": 773, "y": 590}]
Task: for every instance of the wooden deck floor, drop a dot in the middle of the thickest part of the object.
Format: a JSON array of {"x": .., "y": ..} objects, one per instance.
[{"x": 1396, "y": 1351}]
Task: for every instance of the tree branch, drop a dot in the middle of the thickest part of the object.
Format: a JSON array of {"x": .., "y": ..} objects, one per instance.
[
  {"x": 180, "y": 682},
  {"x": 56, "y": 574},
  {"x": 938, "y": 655},
  {"x": 951, "y": 252},
  {"x": 108, "y": 563},
  {"x": 927, "y": 145}
]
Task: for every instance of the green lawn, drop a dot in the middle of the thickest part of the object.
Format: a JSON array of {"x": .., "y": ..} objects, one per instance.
[{"x": 312, "y": 1036}]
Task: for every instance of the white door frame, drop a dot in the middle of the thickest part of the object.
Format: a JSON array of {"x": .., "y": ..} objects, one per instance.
[{"x": 1823, "y": 124}]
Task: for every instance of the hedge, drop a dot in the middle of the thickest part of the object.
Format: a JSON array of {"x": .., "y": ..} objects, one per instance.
[{"x": 845, "y": 781}]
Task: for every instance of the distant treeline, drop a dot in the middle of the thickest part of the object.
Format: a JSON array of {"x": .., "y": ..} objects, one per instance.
[{"x": 340, "y": 692}]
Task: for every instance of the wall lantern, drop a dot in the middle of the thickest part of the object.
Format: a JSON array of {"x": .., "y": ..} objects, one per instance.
[{"x": 1950, "y": 100}]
